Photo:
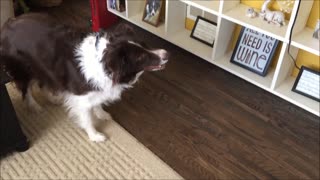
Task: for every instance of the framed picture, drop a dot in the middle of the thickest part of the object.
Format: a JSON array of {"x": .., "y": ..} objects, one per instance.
[
  {"x": 204, "y": 31},
  {"x": 254, "y": 51},
  {"x": 121, "y": 5},
  {"x": 118, "y": 5},
  {"x": 113, "y": 4},
  {"x": 152, "y": 11},
  {"x": 308, "y": 83}
]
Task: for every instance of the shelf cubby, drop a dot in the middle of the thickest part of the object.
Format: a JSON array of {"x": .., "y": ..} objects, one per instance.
[
  {"x": 159, "y": 30},
  {"x": 305, "y": 41},
  {"x": 135, "y": 11},
  {"x": 211, "y": 6},
  {"x": 284, "y": 91},
  {"x": 179, "y": 35},
  {"x": 236, "y": 12},
  {"x": 122, "y": 14},
  {"x": 262, "y": 82},
  {"x": 183, "y": 40},
  {"x": 228, "y": 35},
  {"x": 302, "y": 32},
  {"x": 285, "y": 80},
  {"x": 118, "y": 13}
]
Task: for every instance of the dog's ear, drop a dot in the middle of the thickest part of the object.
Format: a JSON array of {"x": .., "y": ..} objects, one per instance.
[
  {"x": 118, "y": 70},
  {"x": 121, "y": 30}
]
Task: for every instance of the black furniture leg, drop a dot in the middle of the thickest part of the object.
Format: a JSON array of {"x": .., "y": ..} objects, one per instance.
[{"x": 11, "y": 135}]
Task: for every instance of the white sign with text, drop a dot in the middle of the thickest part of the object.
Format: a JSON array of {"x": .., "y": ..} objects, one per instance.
[{"x": 254, "y": 51}]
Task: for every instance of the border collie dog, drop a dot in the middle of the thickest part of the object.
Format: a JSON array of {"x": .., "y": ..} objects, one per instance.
[{"x": 84, "y": 70}]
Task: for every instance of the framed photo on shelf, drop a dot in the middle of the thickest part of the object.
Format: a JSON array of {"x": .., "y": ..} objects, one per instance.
[
  {"x": 204, "y": 31},
  {"x": 308, "y": 83},
  {"x": 119, "y": 5},
  {"x": 113, "y": 4},
  {"x": 152, "y": 12},
  {"x": 254, "y": 51}
]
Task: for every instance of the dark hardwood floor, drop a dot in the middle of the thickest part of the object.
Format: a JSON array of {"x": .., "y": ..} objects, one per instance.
[{"x": 209, "y": 124}]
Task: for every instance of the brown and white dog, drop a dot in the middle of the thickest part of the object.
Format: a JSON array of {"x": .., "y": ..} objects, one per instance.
[{"x": 84, "y": 70}]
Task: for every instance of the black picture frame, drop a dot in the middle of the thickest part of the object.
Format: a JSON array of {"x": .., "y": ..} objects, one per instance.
[
  {"x": 262, "y": 37},
  {"x": 294, "y": 88},
  {"x": 192, "y": 35}
]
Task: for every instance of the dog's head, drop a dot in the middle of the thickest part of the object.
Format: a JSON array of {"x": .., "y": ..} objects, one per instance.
[{"x": 127, "y": 58}]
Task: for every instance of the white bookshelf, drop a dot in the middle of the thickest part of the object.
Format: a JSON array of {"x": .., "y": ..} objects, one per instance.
[{"x": 229, "y": 14}]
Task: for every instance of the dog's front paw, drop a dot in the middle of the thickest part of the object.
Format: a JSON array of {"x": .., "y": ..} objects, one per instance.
[{"x": 97, "y": 137}]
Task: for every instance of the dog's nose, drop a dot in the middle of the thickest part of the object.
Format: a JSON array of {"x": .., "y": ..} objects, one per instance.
[
  {"x": 163, "y": 54},
  {"x": 166, "y": 55}
]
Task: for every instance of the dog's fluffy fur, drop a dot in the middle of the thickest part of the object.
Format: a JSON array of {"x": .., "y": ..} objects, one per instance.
[{"x": 83, "y": 70}]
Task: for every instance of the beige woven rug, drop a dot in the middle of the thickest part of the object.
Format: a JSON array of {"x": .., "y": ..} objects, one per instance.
[{"x": 61, "y": 150}]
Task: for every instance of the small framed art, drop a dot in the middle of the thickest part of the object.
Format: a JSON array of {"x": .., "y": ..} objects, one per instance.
[
  {"x": 113, "y": 4},
  {"x": 308, "y": 83},
  {"x": 152, "y": 12},
  {"x": 118, "y": 5},
  {"x": 204, "y": 31},
  {"x": 254, "y": 51}
]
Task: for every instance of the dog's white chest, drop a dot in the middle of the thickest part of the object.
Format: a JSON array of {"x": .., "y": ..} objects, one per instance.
[{"x": 93, "y": 98}]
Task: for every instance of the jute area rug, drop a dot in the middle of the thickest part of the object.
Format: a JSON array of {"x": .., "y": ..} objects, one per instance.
[{"x": 61, "y": 150}]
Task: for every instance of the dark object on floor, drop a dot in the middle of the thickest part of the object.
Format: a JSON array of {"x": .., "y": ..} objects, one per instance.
[{"x": 11, "y": 135}]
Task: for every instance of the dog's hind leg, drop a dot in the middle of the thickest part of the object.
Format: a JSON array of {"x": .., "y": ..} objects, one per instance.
[
  {"x": 31, "y": 102},
  {"x": 53, "y": 98},
  {"x": 101, "y": 114},
  {"x": 21, "y": 76}
]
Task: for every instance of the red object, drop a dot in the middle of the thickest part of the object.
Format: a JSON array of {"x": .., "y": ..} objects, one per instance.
[{"x": 100, "y": 16}]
